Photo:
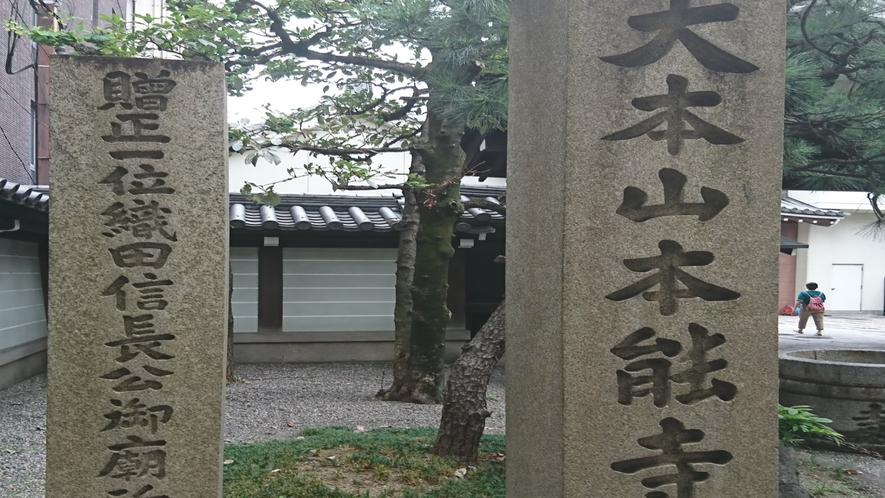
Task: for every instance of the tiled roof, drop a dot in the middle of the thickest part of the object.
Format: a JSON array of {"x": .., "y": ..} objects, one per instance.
[
  {"x": 31, "y": 196},
  {"x": 353, "y": 213},
  {"x": 792, "y": 206}
]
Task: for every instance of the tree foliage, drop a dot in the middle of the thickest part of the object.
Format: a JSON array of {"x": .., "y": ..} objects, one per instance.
[
  {"x": 378, "y": 62},
  {"x": 406, "y": 76},
  {"x": 834, "y": 124},
  {"x": 372, "y": 57}
]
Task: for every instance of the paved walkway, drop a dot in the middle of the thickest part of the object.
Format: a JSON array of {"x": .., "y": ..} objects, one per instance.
[{"x": 860, "y": 331}]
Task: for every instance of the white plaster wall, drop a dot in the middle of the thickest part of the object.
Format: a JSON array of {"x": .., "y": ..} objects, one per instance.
[
  {"x": 154, "y": 8},
  {"x": 842, "y": 244},
  {"x": 266, "y": 172}
]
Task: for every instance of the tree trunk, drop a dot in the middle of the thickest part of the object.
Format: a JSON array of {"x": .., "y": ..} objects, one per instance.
[
  {"x": 230, "y": 326},
  {"x": 464, "y": 411},
  {"x": 439, "y": 209},
  {"x": 402, "y": 315}
]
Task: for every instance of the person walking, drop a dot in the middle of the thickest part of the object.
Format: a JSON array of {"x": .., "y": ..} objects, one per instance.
[{"x": 811, "y": 304}]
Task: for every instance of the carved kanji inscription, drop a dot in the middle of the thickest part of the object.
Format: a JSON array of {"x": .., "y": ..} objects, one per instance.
[
  {"x": 676, "y": 115},
  {"x": 872, "y": 420},
  {"x": 653, "y": 371},
  {"x": 673, "y": 458},
  {"x": 133, "y": 414},
  {"x": 634, "y": 207},
  {"x": 136, "y": 458},
  {"x": 668, "y": 264},
  {"x": 672, "y": 25}
]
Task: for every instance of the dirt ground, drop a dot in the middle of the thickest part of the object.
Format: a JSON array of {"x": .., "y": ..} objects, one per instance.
[{"x": 834, "y": 475}]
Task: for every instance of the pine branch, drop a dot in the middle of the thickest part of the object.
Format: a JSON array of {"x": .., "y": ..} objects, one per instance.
[{"x": 302, "y": 48}]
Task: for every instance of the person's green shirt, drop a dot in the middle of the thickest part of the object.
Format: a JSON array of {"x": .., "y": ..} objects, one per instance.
[{"x": 805, "y": 296}]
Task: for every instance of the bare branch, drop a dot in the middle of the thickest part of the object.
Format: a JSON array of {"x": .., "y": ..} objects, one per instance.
[
  {"x": 335, "y": 151},
  {"x": 405, "y": 109},
  {"x": 302, "y": 48},
  {"x": 398, "y": 186},
  {"x": 400, "y": 138}
]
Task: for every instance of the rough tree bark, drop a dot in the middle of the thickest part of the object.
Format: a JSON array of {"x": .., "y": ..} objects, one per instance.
[
  {"x": 464, "y": 410},
  {"x": 405, "y": 272},
  {"x": 439, "y": 208},
  {"x": 230, "y": 326}
]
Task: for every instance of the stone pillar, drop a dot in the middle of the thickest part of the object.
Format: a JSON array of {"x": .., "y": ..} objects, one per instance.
[
  {"x": 643, "y": 206},
  {"x": 138, "y": 234}
]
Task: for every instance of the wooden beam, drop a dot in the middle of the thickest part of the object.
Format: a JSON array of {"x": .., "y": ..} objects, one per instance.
[{"x": 270, "y": 290}]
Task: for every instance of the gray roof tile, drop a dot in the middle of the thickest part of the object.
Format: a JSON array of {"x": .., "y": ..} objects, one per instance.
[
  {"x": 795, "y": 207},
  {"x": 353, "y": 213},
  {"x": 32, "y": 196}
]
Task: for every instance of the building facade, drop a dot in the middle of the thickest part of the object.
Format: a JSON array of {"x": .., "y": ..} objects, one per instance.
[
  {"x": 24, "y": 163},
  {"x": 847, "y": 260}
]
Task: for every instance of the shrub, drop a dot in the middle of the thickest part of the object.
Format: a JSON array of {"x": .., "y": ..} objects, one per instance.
[{"x": 794, "y": 422}]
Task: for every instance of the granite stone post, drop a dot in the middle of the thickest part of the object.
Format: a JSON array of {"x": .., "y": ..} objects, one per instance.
[
  {"x": 643, "y": 205},
  {"x": 138, "y": 235}
]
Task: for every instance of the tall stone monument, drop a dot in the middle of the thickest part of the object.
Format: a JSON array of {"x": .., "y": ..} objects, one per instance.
[
  {"x": 137, "y": 278},
  {"x": 643, "y": 195}
]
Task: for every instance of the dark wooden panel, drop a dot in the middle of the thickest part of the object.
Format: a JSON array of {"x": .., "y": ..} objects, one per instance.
[{"x": 270, "y": 289}]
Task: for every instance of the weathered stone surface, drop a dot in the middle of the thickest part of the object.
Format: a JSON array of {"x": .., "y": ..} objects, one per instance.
[
  {"x": 138, "y": 278},
  {"x": 788, "y": 476},
  {"x": 844, "y": 385},
  {"x": 645, "y": 153}
]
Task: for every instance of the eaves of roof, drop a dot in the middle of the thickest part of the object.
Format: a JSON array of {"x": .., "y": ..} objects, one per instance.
[
  {"x": 790, "y": 206},
  {"x": 787, "y": 243},
  {"x": 364, "y": 213},
  {"x": 30, "y": 196}
]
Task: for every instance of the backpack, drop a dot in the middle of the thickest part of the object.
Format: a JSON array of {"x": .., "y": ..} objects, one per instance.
[{"x": 815, "y": 304}]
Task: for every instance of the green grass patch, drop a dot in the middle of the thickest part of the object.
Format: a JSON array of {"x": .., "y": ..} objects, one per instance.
[{"x": 336, "y": 462}]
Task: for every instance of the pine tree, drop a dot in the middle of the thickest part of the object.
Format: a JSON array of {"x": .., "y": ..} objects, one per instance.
[
  {"x": 375, "y": 101},
  {"x": 834, "y": 123}
]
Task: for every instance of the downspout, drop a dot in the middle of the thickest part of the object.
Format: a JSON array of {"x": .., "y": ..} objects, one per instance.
[{"x": 45, "y": 19}]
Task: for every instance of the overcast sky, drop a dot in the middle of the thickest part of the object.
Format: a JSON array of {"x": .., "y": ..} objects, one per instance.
[{"x": 283, "y": 95}]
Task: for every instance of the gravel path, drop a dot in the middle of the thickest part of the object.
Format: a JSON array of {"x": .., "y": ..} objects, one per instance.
[{"x": 272, "y": 398}]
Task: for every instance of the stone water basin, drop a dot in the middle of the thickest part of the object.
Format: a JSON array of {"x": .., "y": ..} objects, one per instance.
[{"x": 845, "y": 385}]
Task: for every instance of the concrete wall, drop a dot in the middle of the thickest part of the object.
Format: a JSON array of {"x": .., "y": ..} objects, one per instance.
[
  {"x": 786, "y": 291},
  {"x": 306, "y": 347}
]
